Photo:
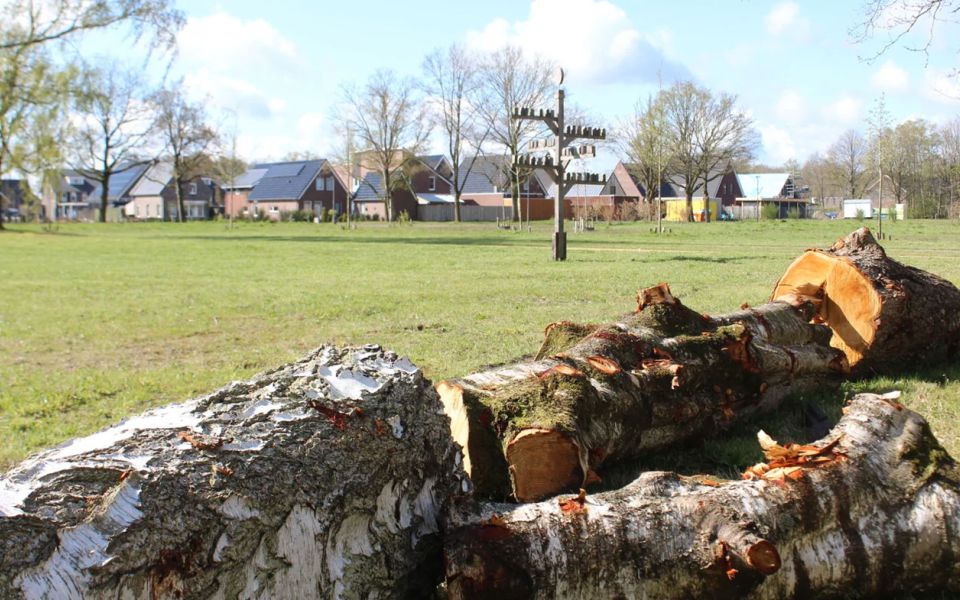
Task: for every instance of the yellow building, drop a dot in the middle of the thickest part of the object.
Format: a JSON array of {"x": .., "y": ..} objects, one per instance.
[{"x": 677, "y": 209}]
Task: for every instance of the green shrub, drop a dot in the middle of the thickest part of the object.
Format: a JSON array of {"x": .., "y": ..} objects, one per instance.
[
  {"x": 860, "y": 214},
  {"x": 793, "y": 213},
  {"x": 404, "y": 218},
  {"x": 770, "y": 211}
]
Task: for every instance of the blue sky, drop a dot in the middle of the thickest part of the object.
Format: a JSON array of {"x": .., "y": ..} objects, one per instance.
[{"x": 274, "y": 70}]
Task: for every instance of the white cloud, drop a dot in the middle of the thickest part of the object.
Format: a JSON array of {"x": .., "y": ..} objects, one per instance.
[
  {"x": 233, "y": 94},
  {"x": 599, "y": 43},
  {"x": 778, "y": 144},
  {"x": 890, "y": 77},
  {"x": 785, "y": 18},
  {"x": 845, "y": 111},
  {"x": 224, "y": 42},
  {"x": 791, "y": 106}
]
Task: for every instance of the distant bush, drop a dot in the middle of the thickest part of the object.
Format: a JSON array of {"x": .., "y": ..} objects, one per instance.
[
  {"x": 892, "y": 214},
  {"x": 860, "y": 214},
  {"x": 404, "y": 218},
  {"x": 770, "y": 212},
  {"x": 298, "y": 216},
  {"x": 793, "y": 213}
]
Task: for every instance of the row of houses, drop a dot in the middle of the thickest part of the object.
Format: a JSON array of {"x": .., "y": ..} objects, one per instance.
[{"x": 145, "y": 192}]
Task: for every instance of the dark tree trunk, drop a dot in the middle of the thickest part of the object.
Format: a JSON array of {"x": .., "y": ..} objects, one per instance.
[
  {"x": 885, "y": 315},
  {"x": 104, "y": 195},
  {"x": 325, "y": 478},
  {"x": 595, "y": 394},
  {"x": 876, "y": 512}
]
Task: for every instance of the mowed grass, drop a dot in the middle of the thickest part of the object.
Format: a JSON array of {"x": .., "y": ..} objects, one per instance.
[{"x": 98, "y": 322}]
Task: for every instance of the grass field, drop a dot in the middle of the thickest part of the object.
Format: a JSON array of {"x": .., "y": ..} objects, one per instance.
[{"x": 101, "y": 321}]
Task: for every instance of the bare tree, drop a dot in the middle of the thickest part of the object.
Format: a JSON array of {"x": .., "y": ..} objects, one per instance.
[
  {"x": 508, "y": 81},
  {"x": 389, "y": 120},
  {"x": 452, "y": 78},
  {"x": 847, "y": 156},
  {"x": 705, "y": 133},
  {"x": 723, "y": 134},
  {"x": 187, "y": 139},
  {"x": 907, "y": 23},
  {"x": 642, "y": 140},
  {"x": 38, "y": 22},
  {"x": 816, "y": 172},
  {"x": 114, "y": 127}
]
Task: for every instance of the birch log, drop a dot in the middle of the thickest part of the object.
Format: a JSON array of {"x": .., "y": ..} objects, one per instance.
[
  {"x": 873, "y": 510},
  {"x": 324, "y": 478},
  {"x": 658, "y": 376},
  {"x": 884, "y": 315}
]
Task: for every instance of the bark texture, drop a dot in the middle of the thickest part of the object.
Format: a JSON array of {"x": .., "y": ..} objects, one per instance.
[
  {"x": 884, "y": 315},
  {"x": 878, "y": 511},
  {"x": 325, "y": 478},
  {"x": 601, "y": 393}
]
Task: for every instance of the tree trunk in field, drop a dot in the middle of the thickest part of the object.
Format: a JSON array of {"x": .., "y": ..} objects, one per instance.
[
  {"x": 885, "y": 315},
  {"x": 873, "y": 510},
  {"x": 325, "y": 478},
  {"x": 602, "y": 393}
]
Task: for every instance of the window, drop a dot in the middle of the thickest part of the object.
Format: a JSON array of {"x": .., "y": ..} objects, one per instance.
[
  {"x": 433, "y": 183},
  {"x": 193, "y": 189},
  {"x": 321, "y": 184}
]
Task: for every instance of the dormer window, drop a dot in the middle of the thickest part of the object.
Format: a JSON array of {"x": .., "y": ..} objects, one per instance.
[{"x": 193, "y": 189}]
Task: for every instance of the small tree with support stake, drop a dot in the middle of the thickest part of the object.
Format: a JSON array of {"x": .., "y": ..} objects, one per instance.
[{"x": 558, "y": 154}]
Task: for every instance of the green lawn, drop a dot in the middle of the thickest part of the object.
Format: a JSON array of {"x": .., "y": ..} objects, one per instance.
[{"x": 101, "y": 321}]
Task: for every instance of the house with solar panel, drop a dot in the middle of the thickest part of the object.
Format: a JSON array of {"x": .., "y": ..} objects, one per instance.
[
  {"x": 423, "y": 182},
  {"x": 272, "y": 190},
  {"x": 75, "y": 197},
  {"x": 154, "y": 198}
]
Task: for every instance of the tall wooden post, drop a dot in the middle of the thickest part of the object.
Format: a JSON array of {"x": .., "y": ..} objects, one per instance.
[
  {"x": 558, "y": 154},
  {"x": 559, "y": 235}
]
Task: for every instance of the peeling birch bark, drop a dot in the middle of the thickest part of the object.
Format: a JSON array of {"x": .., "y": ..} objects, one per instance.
[
  {"x": 659, "y": 376},
  {"x": 884, "y": 314},
  {"x": 883, "y": 517},
  {"x": 325, "y": 478}
]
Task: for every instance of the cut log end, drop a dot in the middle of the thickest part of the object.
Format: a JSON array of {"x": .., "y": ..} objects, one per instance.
[
  {"x": 541, "y": 462},
  {"x": 451, "y": 397},
  {"x": 850, "y": 304},
  {"x": 763, "y": 557},
  {"x": 658, "y": 294}
]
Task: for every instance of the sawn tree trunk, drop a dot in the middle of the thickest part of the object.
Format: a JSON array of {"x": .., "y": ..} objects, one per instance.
[
  {"x": 870, "y": 510},
  {"x": 325, "y": 478},
  {"x": 657, "y": 377},
  {"x": 885, "y": 315}
]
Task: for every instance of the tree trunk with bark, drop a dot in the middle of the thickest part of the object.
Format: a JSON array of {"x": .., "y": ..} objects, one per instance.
[
  {"x": 324, "y": 478},
  {"x": 872, "y": 509},
  {"x": 884, "y": 314},
  {"x": 596, "y": 394}
]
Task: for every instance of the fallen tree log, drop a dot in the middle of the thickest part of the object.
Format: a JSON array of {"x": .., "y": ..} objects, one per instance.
[
  {"x": 884, "y": 314},
  {"x": 324, "y": 478},
  {"x": 656, "y": 377},
  {"x": 872, "y": 509}
]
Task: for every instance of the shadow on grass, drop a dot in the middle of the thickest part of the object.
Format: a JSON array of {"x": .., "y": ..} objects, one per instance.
[{"x": 383, "y": 240}]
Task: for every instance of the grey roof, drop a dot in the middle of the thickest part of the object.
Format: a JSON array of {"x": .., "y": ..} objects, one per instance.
[
  {"x": 248, "y": 179},
  {"x": 370, "y": 189},
  {"x": 121, "y": 182},
  {"x": 672, "y": 186},
  {"x": 285, "y": 180},
  {"x": 154, "y": 180},
  {"x": 432, "y": 160},
  {"x": 85, "y": 187},
  {"x": 487, "y": 171}
]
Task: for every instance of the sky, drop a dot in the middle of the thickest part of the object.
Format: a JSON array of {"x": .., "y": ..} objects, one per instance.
[{"x": 273, "y": 72}]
